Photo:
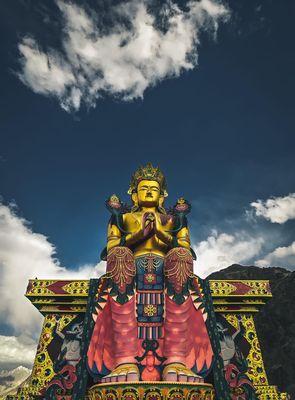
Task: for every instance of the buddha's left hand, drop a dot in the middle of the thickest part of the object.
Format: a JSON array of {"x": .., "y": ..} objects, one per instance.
[
  {"x": 160, "y": 231},
  {"x": 158, "y": 225},
  {"x": 148, "y": 222}
]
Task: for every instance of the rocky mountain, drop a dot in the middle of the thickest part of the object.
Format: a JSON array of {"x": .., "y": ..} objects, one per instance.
[
  {"x": 275, "y": 323},
  {"x": 10, "y": 380}
]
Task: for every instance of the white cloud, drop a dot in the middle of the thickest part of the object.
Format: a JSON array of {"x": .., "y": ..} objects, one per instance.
[
  {"x": 220, "y": 250},
  {"x": 24, "y": 255},
  {"x": 277, "y": 209},
  {"x": 281, "y": 257},
  {"x": 17, "y": 350},
  {"x": 124, "y": 60},
  {"x": 44, "y": 73}
]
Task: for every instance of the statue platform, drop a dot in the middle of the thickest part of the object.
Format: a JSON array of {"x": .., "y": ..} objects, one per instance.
[
  {"x": 151, "y": 391},
  {"x": 63, "y": 302}
]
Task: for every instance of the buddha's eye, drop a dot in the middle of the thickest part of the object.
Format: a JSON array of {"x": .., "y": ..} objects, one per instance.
[{"x": 148, "y": 188}]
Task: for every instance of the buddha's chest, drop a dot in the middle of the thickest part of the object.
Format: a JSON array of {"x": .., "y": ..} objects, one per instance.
[{"x": 135, "y": 221}]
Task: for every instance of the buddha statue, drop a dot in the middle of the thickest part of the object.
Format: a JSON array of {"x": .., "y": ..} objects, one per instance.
[{"x": 150, "y": 315}]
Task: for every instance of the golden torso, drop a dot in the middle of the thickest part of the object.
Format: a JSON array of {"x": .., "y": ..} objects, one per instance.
[
  {"x": 148, "y": 230},
  {"x": 133, "y": 221}
]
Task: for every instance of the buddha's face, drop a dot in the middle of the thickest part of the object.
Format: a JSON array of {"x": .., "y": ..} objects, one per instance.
[{"x": 148, "y": 193}]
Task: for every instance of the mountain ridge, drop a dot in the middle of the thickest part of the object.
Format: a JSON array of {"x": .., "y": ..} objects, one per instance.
[{"x": 10, "y": 380}]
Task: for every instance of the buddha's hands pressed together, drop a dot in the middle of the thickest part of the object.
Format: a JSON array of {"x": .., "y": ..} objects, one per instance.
[
  {"x": 158, "y": 227},
  {"x": 148, "y": 223},
  {"x": 144, "y": 228}
]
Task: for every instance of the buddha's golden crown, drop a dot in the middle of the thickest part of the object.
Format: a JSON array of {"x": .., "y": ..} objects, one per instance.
[{"x": 149, "y": 173}]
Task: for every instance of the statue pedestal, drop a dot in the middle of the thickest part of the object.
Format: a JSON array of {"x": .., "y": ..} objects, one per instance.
[
  {"x": 151, "y": 391},
  {"x": 64, "y": 304}
]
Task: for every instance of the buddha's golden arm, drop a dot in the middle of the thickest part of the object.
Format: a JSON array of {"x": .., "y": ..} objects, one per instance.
[
  {"x": 183, "y": 238},
  {"x": 115, "y": 236},
  {"x": 165, "y": 237}
]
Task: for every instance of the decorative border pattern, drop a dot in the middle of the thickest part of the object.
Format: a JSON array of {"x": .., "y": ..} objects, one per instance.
[
  {"x": 40, "y": 287},
  {"x": 259, "y": 288},
  {"x": 270, "y": 393},
  {"x": 235, "y": 308},
  {"x": 151, "y": 391},
  {"x": 79, "y": 288},
  {"x": 62, "y": 296}
]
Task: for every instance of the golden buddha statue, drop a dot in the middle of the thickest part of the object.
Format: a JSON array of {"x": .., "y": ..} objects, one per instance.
[
  {"x": 148, "y": 229},
  {"x": 150, "y": 323}
]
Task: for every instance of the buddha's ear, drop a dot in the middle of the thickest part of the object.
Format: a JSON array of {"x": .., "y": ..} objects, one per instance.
[
  {"x": 134, "y": 198},
  {"x": 161, "y": 209}
]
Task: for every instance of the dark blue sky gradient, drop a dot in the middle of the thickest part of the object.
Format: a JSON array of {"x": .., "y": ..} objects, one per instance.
[{"x": 223, "y": 133}]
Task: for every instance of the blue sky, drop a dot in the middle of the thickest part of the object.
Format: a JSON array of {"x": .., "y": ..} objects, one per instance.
[{"x": 221, "y": 129}]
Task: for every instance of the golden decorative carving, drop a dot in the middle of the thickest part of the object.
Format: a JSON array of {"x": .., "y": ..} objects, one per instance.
[
  {"x": 38, "y": 287},
  {"x": 227, "y": 308},
  {"x": 150, "y": 310},
  {"x": 251, "y": 288},
  {"x": 151, "y": 391},
  {"x": 270, "y": 393},
  {"x": 221, "y": 288},
  {"x": 256, "y": 371},
  {"x": 42, "y": 371},
  {"x": 77, "y": 288}
]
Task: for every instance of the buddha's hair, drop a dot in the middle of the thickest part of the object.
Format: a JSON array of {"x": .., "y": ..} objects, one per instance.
[{"x": 149, "y": 173}]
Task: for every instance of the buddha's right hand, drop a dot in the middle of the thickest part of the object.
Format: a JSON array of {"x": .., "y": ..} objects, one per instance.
[
  {"x": 144, "y": 231},
  {"x": 135, "y": 237},
  {"x": 148, "y": 223}
]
